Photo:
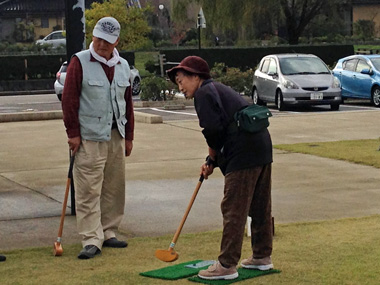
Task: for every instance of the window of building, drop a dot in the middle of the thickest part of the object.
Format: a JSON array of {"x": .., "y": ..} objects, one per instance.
[{"x": 44, "y": 22}]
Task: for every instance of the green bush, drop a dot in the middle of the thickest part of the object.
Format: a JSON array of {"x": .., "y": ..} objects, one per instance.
[
  {"x": 364, "y": 29},
  {"x": 153, "y": 88},
  {"x": 150, "y": 66},
  {"x": 240, "y": 81}
]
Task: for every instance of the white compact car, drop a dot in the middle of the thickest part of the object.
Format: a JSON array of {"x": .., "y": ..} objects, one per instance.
[
  {"x": 61, "y": 76},
  {"x": 55, "y": 39}
]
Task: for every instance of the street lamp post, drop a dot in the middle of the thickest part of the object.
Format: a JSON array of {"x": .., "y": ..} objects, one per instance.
[
  {"x": 201, "y": 23},
  {"x": 199, "y": 31},
  {"x": 75, "y": 27}
]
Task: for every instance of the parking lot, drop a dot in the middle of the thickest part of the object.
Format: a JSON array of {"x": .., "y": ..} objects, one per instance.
[
  {"x": 50, "y": 102},
  {"x": 163, "y": 170},
  {"x": 189, "y": 112}
]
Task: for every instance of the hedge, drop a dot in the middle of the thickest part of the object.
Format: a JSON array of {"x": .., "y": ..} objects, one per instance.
[
  {"x": 17, "y": 68},
  {"x": 246, "y": 58}
]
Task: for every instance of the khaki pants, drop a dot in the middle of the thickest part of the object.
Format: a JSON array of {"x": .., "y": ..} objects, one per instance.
[
  {"x": 99, "y": 179},
  {"x": 246, "y": 192}
]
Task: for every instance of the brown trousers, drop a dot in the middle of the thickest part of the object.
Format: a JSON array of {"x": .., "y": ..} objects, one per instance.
[{"x": 247, "y": 192}]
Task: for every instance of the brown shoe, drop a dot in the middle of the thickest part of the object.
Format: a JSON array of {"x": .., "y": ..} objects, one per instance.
[
  {"x": 218, "y": 272},
  {"x": 257, "y": 263}
]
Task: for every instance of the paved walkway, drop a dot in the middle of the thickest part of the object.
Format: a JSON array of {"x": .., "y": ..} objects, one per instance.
[{"x": 164, "y": 169}]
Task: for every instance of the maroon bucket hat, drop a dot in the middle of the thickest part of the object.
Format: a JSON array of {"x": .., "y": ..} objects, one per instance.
[{"x": 192, "y": 64}]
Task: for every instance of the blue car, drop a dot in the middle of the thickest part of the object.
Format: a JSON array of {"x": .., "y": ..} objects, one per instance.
[{"x": 359, "y": 76}]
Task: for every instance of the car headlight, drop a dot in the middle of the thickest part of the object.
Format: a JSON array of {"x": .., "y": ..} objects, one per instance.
[
  {"x": 336, "y": 83},
  {"x": 288, "y": 84}
]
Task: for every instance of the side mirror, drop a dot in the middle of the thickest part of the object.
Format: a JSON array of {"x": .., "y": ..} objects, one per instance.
[
  {"x": 273, "y": 74},
  {"x": 367, "y": 71}
]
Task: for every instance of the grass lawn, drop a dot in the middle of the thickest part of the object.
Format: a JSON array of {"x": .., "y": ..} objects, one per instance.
[
  {"x": 358, "y": 151},
  {"x": 344, "y": 251},
  {"x": 141, "y": 58},
  {"x": 356, "y": 47},
  {"x": 332, "y": 252}
]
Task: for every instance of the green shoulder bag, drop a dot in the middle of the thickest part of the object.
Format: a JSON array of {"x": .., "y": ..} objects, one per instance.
[{"x": 252, "y": 118}]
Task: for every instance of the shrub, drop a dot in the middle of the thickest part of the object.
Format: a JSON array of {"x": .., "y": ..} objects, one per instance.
[
  {"x": 364, "y": 29},
  {"x": 153, "y": 87},
  {"x": 150, "y": 66},
  {"x": 240, "y": 81}
]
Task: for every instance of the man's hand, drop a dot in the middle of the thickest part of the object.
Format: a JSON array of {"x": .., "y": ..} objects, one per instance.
[
  {"x": 74, "y": 144},
  {"x": 128, "y": 147}
]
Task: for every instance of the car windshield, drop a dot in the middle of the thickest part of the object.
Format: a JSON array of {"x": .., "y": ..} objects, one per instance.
[
  {"x": 302, "y": 65},
  {"x": 376, "y": 62}
]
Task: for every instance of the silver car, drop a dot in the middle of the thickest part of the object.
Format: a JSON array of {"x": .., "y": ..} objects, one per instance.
[
  {"x": 55, "y": 39},
  {"x": 61, "y": 76},
  {"x": 295, "y": 79},
  {"x": 60, "y": 80}
]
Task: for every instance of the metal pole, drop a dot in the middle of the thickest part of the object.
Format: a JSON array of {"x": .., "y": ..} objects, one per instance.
[
  {"x": 72, "y": 192},
  {"x": 199, "y": 31},
  {"x": 75, "y": 27},
  {"x": 75, "y": 42}
]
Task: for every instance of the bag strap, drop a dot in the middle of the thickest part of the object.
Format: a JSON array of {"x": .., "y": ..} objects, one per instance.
[
  {"x": 231, "y": 127},
  {"x": 217, "y": 98}
]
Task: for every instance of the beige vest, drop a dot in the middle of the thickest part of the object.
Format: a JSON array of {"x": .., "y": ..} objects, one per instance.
[{"x": 100, "y": 100}]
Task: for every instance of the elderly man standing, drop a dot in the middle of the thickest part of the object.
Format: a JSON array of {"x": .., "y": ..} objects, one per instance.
[{"x": 99, "y": 120}]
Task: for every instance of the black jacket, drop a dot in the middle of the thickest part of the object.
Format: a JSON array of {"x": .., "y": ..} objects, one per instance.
[{"x": 215, "y": 105}]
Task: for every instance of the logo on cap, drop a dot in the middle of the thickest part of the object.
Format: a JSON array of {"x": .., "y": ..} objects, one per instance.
[{"x": 109, "y": 27}]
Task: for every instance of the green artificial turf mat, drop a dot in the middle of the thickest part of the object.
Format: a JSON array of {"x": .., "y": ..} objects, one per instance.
[
  {"x": 243, "y": 275},
  {"x": 178, "y": 271}
]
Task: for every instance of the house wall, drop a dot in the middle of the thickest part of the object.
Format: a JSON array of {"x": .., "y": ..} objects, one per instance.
[
  {"x": 368, "y": 12},
  {"x": 40, "y": 32},
  {"x": 7, "y": 27}
]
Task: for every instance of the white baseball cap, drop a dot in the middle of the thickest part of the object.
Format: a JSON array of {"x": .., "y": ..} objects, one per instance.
[{"x": 107, "y": 28}]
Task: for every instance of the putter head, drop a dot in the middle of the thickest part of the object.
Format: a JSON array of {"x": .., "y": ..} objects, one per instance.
[
  {"x": 166, "y": 255},
  {"x": 57, "y": 249}
]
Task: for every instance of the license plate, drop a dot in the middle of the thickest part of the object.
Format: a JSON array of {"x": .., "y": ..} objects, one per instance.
[{"x": 316, "y": 96}]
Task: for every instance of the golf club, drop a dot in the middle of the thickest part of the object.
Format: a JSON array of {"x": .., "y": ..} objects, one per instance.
[
  {"x": 58, "y": 250},
  {"x": 170, "y": 255}
]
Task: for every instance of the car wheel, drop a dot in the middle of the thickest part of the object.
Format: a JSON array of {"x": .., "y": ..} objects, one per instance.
[
  {"x": 136, "y": 86},
  {"x": 375, "y": 97},
  {"x": 334, "y": 107},
  {"x": 255, "y": 97},
  {"x": 280, "y": 101}
]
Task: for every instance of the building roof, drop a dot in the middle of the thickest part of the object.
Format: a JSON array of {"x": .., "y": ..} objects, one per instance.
[
  {"x": 365, "y": 2},
  {"x": 36, "y": 6},
  {"x": 30, "y": 6}
]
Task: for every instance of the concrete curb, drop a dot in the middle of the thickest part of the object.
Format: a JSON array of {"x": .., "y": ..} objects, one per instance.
[
  {"x": 139, "y": 116},
  {"x": 148, "y": 118},
  {"x": 30, "y": 116},
  {"x": 55, "y": 115}
]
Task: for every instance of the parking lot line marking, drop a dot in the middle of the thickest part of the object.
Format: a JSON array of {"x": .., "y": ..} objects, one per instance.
[
  {"x": 362, "y": 107},
  {"x": 173, "y": 112}
]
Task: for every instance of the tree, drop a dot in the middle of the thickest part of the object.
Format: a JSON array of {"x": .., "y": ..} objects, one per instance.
[
  {"x": 134, "y": 27},
  {"x": 236, "y": 20},
  {"x": 242, "y": 19},
  {"x": 298, "y": 14},
  {"x": 364, "y": 29}
]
